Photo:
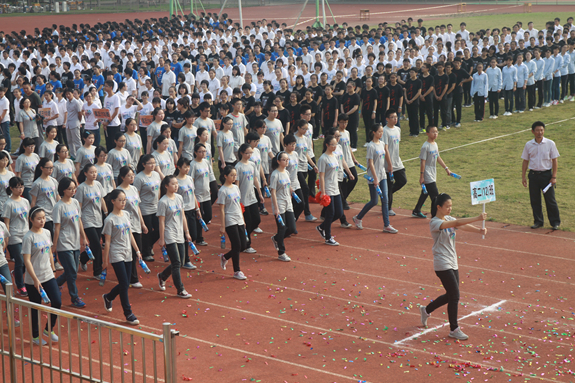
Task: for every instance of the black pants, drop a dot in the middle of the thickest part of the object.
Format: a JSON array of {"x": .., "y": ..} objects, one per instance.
[
  {"x": 333, "y": 212},
  {"x": 564, "y": 86},
  {"x": 572, "y": 84},
  {"x": 537, "y": 182},
  {"x": 432, "y": 193},
  {"x": 440, "y": 109},
  {"x": 61, "y": 137},
  {"x": 176, "y": 254},
  {"x": 135, "y": 262},
  {"x": 194, "y": 227},
  {"x": 467, "y": 93},
  {"x": 150, "y": 239},
  {"x": 94, "y": 234},
  {"x": 298, "y": 208},
  {"x": 122, "y": 270},
  {"x": 368, "y": 122},
  {"x": 348, "y": 185},
  {"x": 413, "y": 115},
  {"x": 479, "y": 106},
  {"x": 238, "y": 241},
  {"x": 539, "y": 85},
  {"x": 457, "y": 99},
  {"x": 530, "y": 96},
  {"x": 144, "y": 136},
  {"x": 520, "y": 98},
  {"x": 493, "y": 103},
  {"x": 51, "y": 289},
  {"x": 400, "y": 181},
  {"x": 380, "y": 115},
  {"x": 352, "y": 129},
  {"x": 311, "y": 177},
  {"x": 508, "y": 95},
  {"x": 301, "y": 176},
  {"x": 110, "y": 133},
  {"x": 426, "y": 109},
  {"x": 252, "y": 219},
  {"x": 222, "y": 178},
  {"x": 284, "y": 231},
  {"x": 450, "y": 281},
  {"x": 206, "y": 210},
  {"x": 213, "y": 192}
]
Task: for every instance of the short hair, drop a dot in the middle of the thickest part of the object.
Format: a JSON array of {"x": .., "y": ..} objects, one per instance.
[{"x": 536, "y": 124}]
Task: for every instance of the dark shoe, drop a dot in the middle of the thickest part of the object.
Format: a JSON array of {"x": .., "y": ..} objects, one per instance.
[
  {"x": 537, "y": 226},
  {"x": 149, "y": 258},
  {"x": 555, "y": 227},
  {"x": 345, "y": 206}
]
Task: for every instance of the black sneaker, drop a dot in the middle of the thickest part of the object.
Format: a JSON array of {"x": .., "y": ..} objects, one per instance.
[
  {"x": 107, "y": 303},
  {"x": 275, "y": 243},
  {"x": 131, "y": 319},
  {"x": 264, "y": 211},
  {"x": 320, "y": 231},
  {"x": 149, "y": 258},
  {"x": 161, "y": 283}
]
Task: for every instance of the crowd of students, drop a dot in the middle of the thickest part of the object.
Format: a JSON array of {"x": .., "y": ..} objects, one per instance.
[{"x": 168, "y": 98}]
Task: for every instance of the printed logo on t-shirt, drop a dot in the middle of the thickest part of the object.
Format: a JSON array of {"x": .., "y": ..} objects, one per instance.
[
  {"x": 123, "y": 227},
  {"x": 95, "y": 197},
  {"x": 105, "y": 175},
  {"x": 202, "y": 173},
  {"x": 186, "y": 189},
  {"x": 31, "y": 165},
  {"x": 133, "y": 200},
  {"x": 175, "y": 209},
  {"x": 248, "y": 174},
  {"x": 234, "y": 196},
  {"x": 43, "y": 246},
  {"x": 434, "y": 153},
  {"x": 154, "y": 185},
  {"x": 72, "y": 215},
  {"x": 20, "y": 211},
  {"x": 450, "y": 231},
  {"x": 49, "y": 191},
  {"x": 380, "y": 153}
]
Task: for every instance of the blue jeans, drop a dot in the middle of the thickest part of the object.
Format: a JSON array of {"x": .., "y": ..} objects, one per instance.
[
  {"x": 547, "y": 84},
  {"x": 123, "y": 271},
  {"x": 26, "y": 194},
  {"x": 556, "y": 83},
  {"x": 176, "y": 253},
  {"x": 333, "y": 212},
  {"x": 6, "y": 133},
  {"x": 373, "y": 202},
  {"x": 16, "y": 254},
  {"x": 69, "y": 260},
  {"x": 5, "y": 272},
  {"x": 51, "y": 289}
]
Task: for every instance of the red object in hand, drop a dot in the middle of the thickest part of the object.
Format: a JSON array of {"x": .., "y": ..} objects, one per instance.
[
  {"x": 243, "y": 208},
  {"x": 318, "y": 197},
  {"x": 317, "y": 183},
  {"x": 325, "y": 201}
]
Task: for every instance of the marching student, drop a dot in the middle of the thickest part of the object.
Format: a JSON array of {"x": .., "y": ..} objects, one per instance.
[
  {"x": 44, "y": 191},
  {"x": 201, "y": 172},
  {"x": 429, "y": 156},
  {"x": 48, "y": 146},
  {"x": 165, "y": 165},
  {"x": 377, "y": 157},
  {"x": 69, "y": 237},
  {"x": 105, "y": 172},
  {"x": 292, "y": 168},
  {"x": 305, "y": 154},
  {"x": 125, "y": 180},
  {"x": 5, "y": 176},
  {"x": 90, "y": 194},
  {"x": 247, "y": 180},
  {"x": 118, "y": 252},
  {"x": 348, "y": 183},
  {"x": 40, "y": 273},
  {"x": 204, "y": 138},
  {"x": 147, "y": 182},
  {"x": 443, "y": 228},
  {"x": 495, "y": 83},
  {"x": 173, "y": 233},
  {"x": 133, "y": 142},
  {"x": 4, "y": 269},
  {"x": 63, "y": 166},
  {"x": 282, "y": 208},
  {"x": 479, "y": 90},
  {"x": 86, "y": 154},
  {"x": 226, "y": 144},
  {"x": 119, "y": 156},
  {"x": 232, "y": 221},
  {"x": 509, "y": 78},
  {"x": 391, "y": 138},
  {"x": 26, "y": 165},
  {"x": 191, "y": 206},
  {"x": 15, "y": 216}
]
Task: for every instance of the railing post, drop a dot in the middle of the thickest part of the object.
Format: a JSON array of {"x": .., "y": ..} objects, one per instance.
[
  {"x": 11, "y": 331},
  {"x": 167, "y": 353},
  {"x": 174, "y": 334}
]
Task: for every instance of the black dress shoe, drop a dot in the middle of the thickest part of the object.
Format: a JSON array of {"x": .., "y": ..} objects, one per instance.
[
  {"x": 537, "y": 226},
  {"x": 555, "y": 227},
  {"x": 149, "y": 259}
]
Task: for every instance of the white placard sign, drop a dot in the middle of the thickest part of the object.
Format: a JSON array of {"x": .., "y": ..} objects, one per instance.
[{"x": 482, "y": 191}]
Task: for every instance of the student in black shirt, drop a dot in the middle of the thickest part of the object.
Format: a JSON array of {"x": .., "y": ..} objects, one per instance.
[
  {"x": 427, "y": 96},
  {"x": 396, "y": 100},
  {"x": 256, "y": 114},
  {"x": 440, "y": 101},
  {"x": 412, "y": 94},
  {"x": 283, "y": 114},
  {"x": 283, "y": 91},
  {"x": 382, "y": 100},
  {"x": 338, "y": 86},
  {"x": 267, "y": 96},
  {"x": 350, "y": 106},
  {"x": 308, "y": 100},
  {"x": 368, "y": 107},
  {"x": 248, "y": 99},
  {"x": 462, "y": 78},
  {"x": 293, "y": 108},
  {"x": 329, "y": 110},
  {"x": 449, "y": 95},
  {"x": 317, "y": 97},
  {"x": 356, "y": 80}
]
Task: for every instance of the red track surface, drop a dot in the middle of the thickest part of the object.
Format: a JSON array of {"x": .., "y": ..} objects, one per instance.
[
  {"x": 334, "y": 313},
  {"x": 284, "y": 13}
]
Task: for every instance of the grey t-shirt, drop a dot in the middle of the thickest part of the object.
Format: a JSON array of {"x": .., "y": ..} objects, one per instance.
[
  {"x": 186, "y": 190},
  {"x": 4, "y": 235},
  {"x": 26, "y": 165},
  {"x": 429, "y": 153},
  {"x": 265, "y": 147},
  {"x": 226, "y": 142},
  {"x": 38, "y": 246},
  {"x": 208, "y": 123},
  {"x": 149, "y": 188},
  {"x": 444, "y": 255},
  {"x": 376, "y": 153},
  {"x": 17, "y": 213},
  {"x": 246, "y": 174},
  {"x": 73, "y": 108},
  {"x": 280, "y": 182},
  {"x": 48, "y": 150},
  {"x": 134, "y": 146},
  {"x": 302, "y": 148},
  {"x": 165, "y": 161},
  {"x": 392, "y": 138},
  {"x": 173, "y": 211},
  {"x": 68, "y": 215},
  {"x": 85, "y": 156},
  {"x": 62, "y": 170},
  {"x": 187, "y": 137},
  {"x": 29, "y": 123},
  {"x": 293, "y": 168},
  {"x": 338, "y": 153},
  {"x": 200, "y": 173},
  {"x": 45, "y": 192},
  {"x": 346, "y": 148},
  {"x": 118, "y": 158},
  {"x": 240, "y": 122},
  {"x": 132, "y": 207},
  {"x": 274, "y": 131},
  {"x": 105, "y": 177},
  {"x": 118, "y": 228},
  {"x": 91, "y": 199},
  {"x": 4, "y": 181},
  {"x": 230, "y": 198},
  {"x": 330, "y": 167}
]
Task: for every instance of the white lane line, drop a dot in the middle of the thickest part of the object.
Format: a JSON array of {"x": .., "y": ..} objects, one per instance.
[{"x": 488, "y": 308}]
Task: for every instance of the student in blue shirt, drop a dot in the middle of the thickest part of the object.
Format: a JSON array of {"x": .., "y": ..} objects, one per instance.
[
  {"x": 98, "y": 81},
  {"x": 479, "y": 89},
  {"x": 539, "y": 76},
  {"x": 55, "y": 80},
  {"x": 495, "y": 83},
  {"x": 548, "y": 77},
  {"x": 564, "y": 70},
  {"x": 40, "y": 87},
  {"x": 522, "y": 77},
  {"x": 532, "y": 68},
  {"x": 555, "y": 90},
  {"x": 79, "y": 83},
  {"x": 509, "y": 76}
]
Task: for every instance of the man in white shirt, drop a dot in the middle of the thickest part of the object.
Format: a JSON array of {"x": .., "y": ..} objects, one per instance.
[
  {"x": 168, "y": 79},
  {"x": 5, "y": 117},
  {"x": 540, "y": 157},
  {"x": 60, "y": 101},
  {"x": 112, "y": 103},
  {"x": 130, "y": 82}
]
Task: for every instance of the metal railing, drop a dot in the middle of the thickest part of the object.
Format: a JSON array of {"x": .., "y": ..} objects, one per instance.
[{"x": 81, "y": 349}]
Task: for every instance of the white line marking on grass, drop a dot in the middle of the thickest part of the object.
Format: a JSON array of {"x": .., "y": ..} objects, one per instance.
[{"x": 488, "y": 308}]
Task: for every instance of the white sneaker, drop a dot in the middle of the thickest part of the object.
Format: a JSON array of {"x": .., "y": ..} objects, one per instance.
[
  {"x": 365, "y": 145},
  {"x": 458, "y": 334},
  {"x": 391, "y": 213},
  {"x": 52, "y": 335},
  {"x": 58, "y": 266},
  {"x": 184, "y": 294},
  {"x": 424, "y": 315},
  {"x": 136, "y": 285},
  {"x": 357, "y": 222},
  {"x": 250, "y": 250},
  {"x": 390, "y": 229},
  {"x": 83, "y": 266},
  {"x": 223, "y": 261},
  {"x": 37, "y": 341},
  {"x": 257, "y": 230},
  {"x": 239, "y": 275},
  {"x": 495, "y": 117},
  {"x": 284, "y": 257},
  {"x": 331, "y": 242},
  {"x": 353, "y": 149}
]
